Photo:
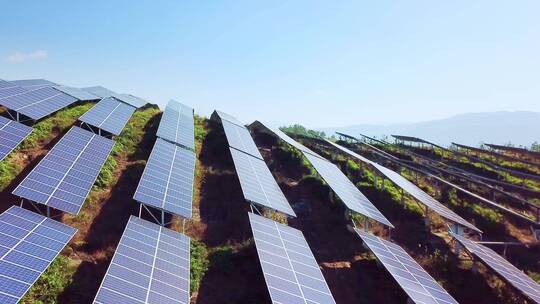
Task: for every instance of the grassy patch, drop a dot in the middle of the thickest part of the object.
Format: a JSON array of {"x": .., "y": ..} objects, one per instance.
[{"x": 198, "y": 264}]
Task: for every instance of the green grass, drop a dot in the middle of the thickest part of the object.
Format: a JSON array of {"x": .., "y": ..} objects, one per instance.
[
  {"x": 42, "y": 132},
  {"x": 198, "y": 264},
  {"x": 51, "y": 283}
]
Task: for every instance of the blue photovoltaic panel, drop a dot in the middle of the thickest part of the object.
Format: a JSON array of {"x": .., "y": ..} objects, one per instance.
[
  {"x": 38, "y": 103},
  {"x": 230, "y": 118},
  {"x": 65, "y": 176},
  {"x": 258, "y": 184},
  {"x": 291, "y": 272},
  {"x": 167, "y": 180},
  {"x": 99, "y": 91},
  {"x": 12, "y": 133},
  {"x": 130, "y": 99},
  {"x": 239, "y": 138},
  {"x": 415, "y": 281},
  {"x": 412, "y": 189},
  {"x": 346, "y": 190},
  {"x": 150, "y": 265},
  {"x": 9, "y": 89},
  {"x": 33, "y": 83},
  {"x": 291, "y": 141},
  {"x": 78, "y": 93},
  {"x": 177, "y": 124},
  {"x": 109, "y": 114},
  {"x": 509, "y": 272},
  {"x": 29, "y": 242}
]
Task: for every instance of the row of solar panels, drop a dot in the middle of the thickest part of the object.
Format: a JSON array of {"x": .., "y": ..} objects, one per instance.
[{"x": 290, "y": 270}]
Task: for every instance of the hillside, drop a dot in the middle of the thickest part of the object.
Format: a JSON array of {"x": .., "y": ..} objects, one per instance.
[
  {"x": 223, "y": 253},
  {"x": 517, "y": 128}
]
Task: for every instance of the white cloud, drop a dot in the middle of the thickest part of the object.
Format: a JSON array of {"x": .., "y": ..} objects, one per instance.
[{"x": 18, "y": 57}]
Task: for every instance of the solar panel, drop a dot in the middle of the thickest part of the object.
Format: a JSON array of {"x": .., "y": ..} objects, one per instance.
[
  {"x": 99, "y": 91},
  {"x": 346, "y": 190},
  {"x": 291, "y": 272},
  {"x": 150, "y": 265},
  {"x": 415, "y": 281},
  {"x": 506, "y": 270},
  {"x": 240, "y": 139},
  {"x": 424, "y": 198},
  {"x": 33, "y": 83},
  {"x": 177, "y": 124},
  {"x": 229, "y": 118},
  {"x": 291, "y": 141},
  {"x": 64, "y": 177},
  {"x": 38, "y": 103},
  {"x": 29, "y": 243},
  {"x": 412, "y": 189},
  {"x": 167, "y": 180},
  {"x": 109, "y": 114},
  {"x": 78, "y": 93},
  {"x": 258, "y": 184},
  {"x": 9, "y": 89},
  {"x": 130, "y": 99},
  {"x": 12, "y": 134}
]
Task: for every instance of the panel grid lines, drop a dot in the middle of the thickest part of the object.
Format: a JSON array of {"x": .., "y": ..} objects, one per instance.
[
  {"x": 239, "y": 138},
  {"x": 291, "y": 272},
  {"x": 167, "y": 180},
  {"x": 64, "y": 177},
  {"x": 12, "y": 133},
  {"x": 29, "y": 243},
  {"x": 144, "y": 268},
  {"x": 505, "y": 269},
  {"x": 109, "y": 114},
  {"x": 415, "y": 281},
  {"x": 177, "y": 125},
  {"x": 38, "y": 103}
]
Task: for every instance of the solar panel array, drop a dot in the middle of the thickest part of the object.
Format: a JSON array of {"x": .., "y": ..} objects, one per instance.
[
  {"x": 258, "y": 184},
  {"x": 80, "y": 94},
  {"x": 509, "y": 272},
  {"x": 150, "y": 265},
  {"x": 177, "y": 124},
  {"x": 412, "y": 189},
  {"x": 99, "y": 91},
  {"x": 346, "y": 190},
  {"x": 424, "y": 198},
  {"x": 12, "y": 134},
  {"x": 38, "y": 103},
  {"x": 167, "y": 180},
  {"x": 130, "y": 99},
  {"x": 33, "y": 83},
  {"x": 109, "y": 114},
  {"x": 240, "y": 139},
  {"x": 9, "y": 89},
  {"x": 28, "y": 244},
  {"x": 64, "y": 177},
  {"x": 291, "y": 272},
  {"x": 292, "y": 142},
  {"x": 415, "y": 281}
]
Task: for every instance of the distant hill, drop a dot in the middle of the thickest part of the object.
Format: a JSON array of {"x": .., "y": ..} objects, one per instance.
[{"x": 518, "y": 128}]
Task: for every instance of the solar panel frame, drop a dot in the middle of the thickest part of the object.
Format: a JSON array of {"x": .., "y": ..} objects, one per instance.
[
  {"x": 29, "y": 242},
  {"x": 502, "y": 267},
  {"x": 109, "y": 114},
  {"x": 131, "y": 100},
  {"x": 239, "y": 138},
  {"x": 167, "y": 180},
  {"x": 415, "y": 281},
  {"x": 99, "y": 91},
  {"x": 151, "y": 264},
  {"x": 33, "y": 83},
  {"x": 290, "y": 270},
  {"x": 12, "y": 133},
  {"x": 177, "y": 124},
  {"x": 65, "y": 176},
  {"x": 346, "y": 190},
  {"x": 229, "y": 118},
  {"x": 257, "y": 183},
  {"x": 38, "y": 103},
  {"x": 291, "y": 141},
  {"x": 77, "y": 93}
]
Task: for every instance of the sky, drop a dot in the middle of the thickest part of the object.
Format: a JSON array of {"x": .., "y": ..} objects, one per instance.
[{"x": 318, "y": 63}]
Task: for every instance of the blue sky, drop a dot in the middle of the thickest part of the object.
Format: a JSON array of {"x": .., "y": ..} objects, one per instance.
[{"x": 319, "y": 63}]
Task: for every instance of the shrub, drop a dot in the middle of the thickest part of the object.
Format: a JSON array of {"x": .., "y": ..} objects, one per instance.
[{"x": 198, "y": 264}]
